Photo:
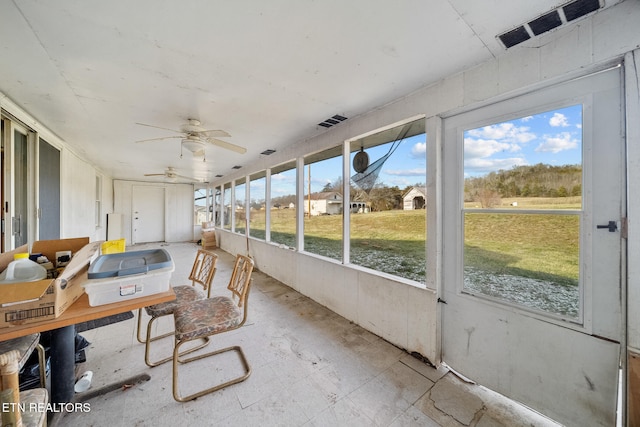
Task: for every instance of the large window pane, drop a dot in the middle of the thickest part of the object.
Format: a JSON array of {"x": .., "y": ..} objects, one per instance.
[
  {"x": 522, "y": 211},
  {"x": 239, "y": 206},
  {"x": 218, "y": 206},
  {"x": 388, "y": 201},
  {"x": 200, "y": 206},
  {"x": 323, "y": 203},
  {"x": 227, "y": 207},
  {"x": 257, "y": 206},
  {"x": 283, "y": 204}
]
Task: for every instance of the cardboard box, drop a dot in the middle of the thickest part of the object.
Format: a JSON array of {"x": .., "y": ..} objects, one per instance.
[
  {"x": 208, "y": 239},
  {"x": 31, "y": 302}
]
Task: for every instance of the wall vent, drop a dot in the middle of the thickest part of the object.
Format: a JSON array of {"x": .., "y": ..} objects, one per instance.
[
  {"x": 579, "y": 8},
  {"x": 332, "y": 121},
  {"x": 548, "y": 21},
  {"x": 514, "y": 37}
]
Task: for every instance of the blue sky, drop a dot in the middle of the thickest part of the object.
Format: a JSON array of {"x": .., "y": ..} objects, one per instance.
[{"x": 553, "y": 137}]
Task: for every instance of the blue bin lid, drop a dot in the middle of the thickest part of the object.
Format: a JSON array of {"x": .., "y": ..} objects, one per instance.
[{"x": 128, "y": 263}]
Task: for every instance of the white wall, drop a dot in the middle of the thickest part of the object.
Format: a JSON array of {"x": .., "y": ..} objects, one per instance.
[
  {"x": 77, "y": 182},
  {"x": 179, "y": 208},
  {"x": 404, "y": 314},
  {"x": 78, "y": 194}
]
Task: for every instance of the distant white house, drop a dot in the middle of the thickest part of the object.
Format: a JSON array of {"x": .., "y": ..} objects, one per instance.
[
  {"x": 416, "y": 198},
  {"x": 327, "y": 203}
]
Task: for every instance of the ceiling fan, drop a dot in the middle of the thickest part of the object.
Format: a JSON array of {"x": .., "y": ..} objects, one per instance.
[
  {"x": 171, "y": 175},
  {"x": 195, "y": 138}
]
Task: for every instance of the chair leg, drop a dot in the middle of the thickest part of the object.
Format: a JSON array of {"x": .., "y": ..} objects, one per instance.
[
  {"x": 140, "y": 340},
  {"x": 43, "y": 370},
  {"x": 176, "y": 360},
  {"x": 149, "y": 340}
]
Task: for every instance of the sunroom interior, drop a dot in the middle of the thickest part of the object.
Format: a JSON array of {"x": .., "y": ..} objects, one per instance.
[{"x": 294, "y": 129}]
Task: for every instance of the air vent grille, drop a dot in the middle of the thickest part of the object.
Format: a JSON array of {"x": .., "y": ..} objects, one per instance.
[
  {"x": 514, "y": 37},
  {"x": 579, "y": 8},
  {"x": 236, "y": 167},
  {"x": 548, "y": 21},
  {"x": 332, "y": 121},
  {"x": 268, "y": 152}
]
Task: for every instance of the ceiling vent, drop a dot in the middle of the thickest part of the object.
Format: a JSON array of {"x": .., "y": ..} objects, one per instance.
[
  {"x": 332, "y": 121},
  {"x": 548, "y": 21},
  {"x": 268, "y": 152},
  {"x": 579, "y": 8},
  {"x": 236, "y": 167}
]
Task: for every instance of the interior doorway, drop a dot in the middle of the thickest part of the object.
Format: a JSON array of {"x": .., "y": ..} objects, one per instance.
[{"x": 148, "y": 214}]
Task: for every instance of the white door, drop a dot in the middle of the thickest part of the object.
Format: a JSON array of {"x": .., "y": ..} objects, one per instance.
[
  {"x": 148, "y": 214},
  {"x": 534, "y": 201}
]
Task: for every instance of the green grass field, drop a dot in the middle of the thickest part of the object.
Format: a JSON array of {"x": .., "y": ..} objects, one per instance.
[{"x": 535, "y": 246}]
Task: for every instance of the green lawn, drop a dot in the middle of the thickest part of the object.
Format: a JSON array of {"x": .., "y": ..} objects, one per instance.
[{"x": 535, "y": 246}]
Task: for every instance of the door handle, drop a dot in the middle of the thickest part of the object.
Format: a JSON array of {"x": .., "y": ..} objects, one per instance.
[{"x": 612, "y": 226}]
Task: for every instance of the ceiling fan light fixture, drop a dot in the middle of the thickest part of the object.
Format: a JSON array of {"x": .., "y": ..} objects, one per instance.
[{"x": 193, "y": 145}]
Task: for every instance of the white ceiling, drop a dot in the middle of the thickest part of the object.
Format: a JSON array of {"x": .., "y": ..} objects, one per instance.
[{"x": 267, "y": 72}]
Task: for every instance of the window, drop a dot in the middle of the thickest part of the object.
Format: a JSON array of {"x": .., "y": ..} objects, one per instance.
[
  {"x": 240, "y": 207},
  {"x": 200, "y": 206},
  {"x": 387, "y": 205},
  {"x": 283, "y": 204},
  {"x": 217, "y": 206},
  {"x": 226, "y": 206},
  {"x": 257, "y": 205},
  {"x": 323, "y": 203},
  {"x": 98, "y": 208},
  {"x": 522, "y": 211}
]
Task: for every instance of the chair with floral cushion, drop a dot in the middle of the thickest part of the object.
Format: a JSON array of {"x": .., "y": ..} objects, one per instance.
[
  {"x": 202, "y": 273},
  {"x": 212, "y": 316},
  {"x": 20, "y": 408}
]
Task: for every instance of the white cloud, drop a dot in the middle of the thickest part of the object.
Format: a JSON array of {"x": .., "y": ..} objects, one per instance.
[
  {"x": 419, "y": 150},
  {"x": 526, "y": 119},
  {"x": 559, "y": 120},
  {"x": 505, "y": 132},
  {"x": 478, "y": 148},
  {"x": 406, "y": 172},
  {"x": 556, "y": 143},
  {"x": 477, "y": 166}
]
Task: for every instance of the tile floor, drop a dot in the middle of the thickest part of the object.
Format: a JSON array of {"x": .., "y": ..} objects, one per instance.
[{"x": 311, "y": 367}]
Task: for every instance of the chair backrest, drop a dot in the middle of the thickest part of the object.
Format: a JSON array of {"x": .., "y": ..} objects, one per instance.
[
  {"x": 203, "y": 270},
  {"x": 240, "y": 281}
]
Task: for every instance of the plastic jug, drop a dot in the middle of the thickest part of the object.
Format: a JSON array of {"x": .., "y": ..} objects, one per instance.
[{"x": 22, "y": 269}]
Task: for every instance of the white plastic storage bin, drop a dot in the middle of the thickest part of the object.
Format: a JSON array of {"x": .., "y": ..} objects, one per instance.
[{"x": 122, "y": 276}]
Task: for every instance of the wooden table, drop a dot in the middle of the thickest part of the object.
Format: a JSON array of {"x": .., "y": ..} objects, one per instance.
[{"x": 63, "y": 336}]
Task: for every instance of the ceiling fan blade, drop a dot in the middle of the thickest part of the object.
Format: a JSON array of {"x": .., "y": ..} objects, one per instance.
[
  {"x": 159, "y": 139},
  {"x": 215, "y": 133},
  {"x": 227, "y": 145},
  {"x": 187, "y": 177},
  {"x": 158, "y": 127},
  {"x": 154, "y": 174}
]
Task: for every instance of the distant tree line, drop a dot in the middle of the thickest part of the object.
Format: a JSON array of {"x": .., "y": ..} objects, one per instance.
[{"x": 540, "y": 180}]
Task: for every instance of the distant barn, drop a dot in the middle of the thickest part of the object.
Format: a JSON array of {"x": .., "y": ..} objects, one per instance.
[{"x": 416, "y": 198}]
